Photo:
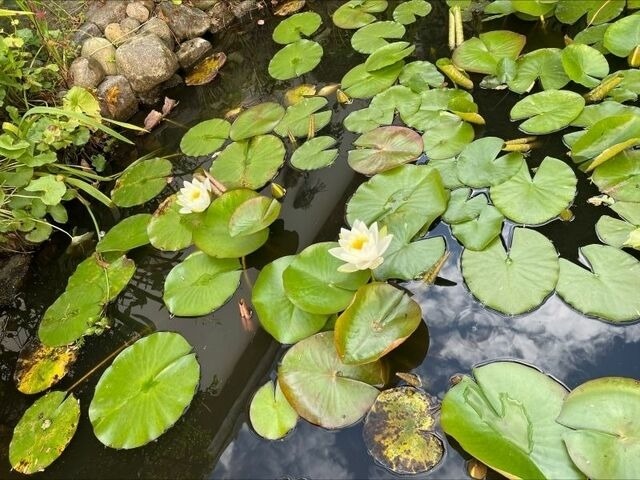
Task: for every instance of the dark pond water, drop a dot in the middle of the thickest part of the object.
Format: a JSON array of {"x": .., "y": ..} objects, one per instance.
[{"x": 213, "y": 439}]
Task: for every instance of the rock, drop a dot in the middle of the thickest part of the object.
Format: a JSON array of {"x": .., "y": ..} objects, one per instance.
[
  {"x": 104, "y": 13},
  {"x": 150, "y": 97},
  {"x": 85, "y": 31},
  {"x": 138, "y": 11},
  {"x": 192, "y": 51},
  {"x": 160, "y": 28},
  {"x": 129, "y": 25},
  {"x": 117, "y": 100},
  {"x": 204, "y": 4},
  {"x": 220, "y": 17},
  {"x": 13, "y": 271},
  {"x": 101, "y": 50},
  {"x": 85, "y": 72},
  {"x": 149, "y": 4},
  {"x": 115, "y": 34},
  {"x": 185, "y": 22},
  {"x": 146, "y": 62},
  {"x": 174, "y": 81},
  {"x": 240, "y": 9}
]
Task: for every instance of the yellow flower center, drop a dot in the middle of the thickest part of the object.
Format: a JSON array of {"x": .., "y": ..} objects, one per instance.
[
  {"x": 358, "y": 242},
  {"x": 195, "y": 194}
]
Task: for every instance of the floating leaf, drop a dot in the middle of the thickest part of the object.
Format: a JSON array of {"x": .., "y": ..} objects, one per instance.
[
  {"x": 257, "y": 120},
  {"x": 397, "y": 98},
  {"x": 379, "y": 318},
  {"x": 399, "y": 431},
  {"x": 584, "y": 64},
  {"x": 249, "y": 163},
  {"x": 535, "y": 8},
  {"x": 254, "y": 215},
  {"x": 293, "y": 28},
  {"x": 623, "y": 36},
  {"x": 407, "y": 12},
  {"x": 536, "y": 200},
  {"x": 431, "y": 103},
  {"x": 297, "y": 118},
  {"x": 271, "y": 415},
  {"x": 43, "y": 432},
  {"x": 605, "y": 134},
  {"x": 372, "y": 37},
  {"x": 505, "y": 418},
  {"x": 366, "y": 119},
  {"x": 313, "y": 283},
  {"x": 474, "y": 222},
  {"x": 313, "y": 154},
  {"x": 277, "y": 314},
  {"x": 299, "y": 93},
  {"x": 145, "y": 391},
  {"x": 620, "y": 176},
  {"x": 205, "y": 70},
  {"x": 360, "y": 83},
  {"x": 388, "y": 55},
  {"x": 322, "y": 389},
  {"x": 113, "y": 276},
  {"x": 608, "y": 290},
  {"x": 447, "y": 137},
  {"x": 170, "y": 230},
  {"x": 141, "y": 181},
  {"x": 420, "y": 75},
  {"x": 543, "y": 64},
  {"x": 384, "y": 148},
  {"x": 617, "y": 233},
  {"x": 357, "y": 13},
  {"x": 479, "y": 166},
  {"x": 205, "y": 137},
  {"x": 526, "y": 274},
  {"x": 126, "y": 235},
  {"x": 39, "y": 367},
  {"x": 547, "y": 111},
  {"x": 603, "y": 417},
  {"x": 295, "y": 59},
  {"x": 482, "y": 55},
  {"x": 598, "y": 11}
]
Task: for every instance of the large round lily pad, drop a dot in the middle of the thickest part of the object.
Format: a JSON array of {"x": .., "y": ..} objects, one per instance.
[
  {"x": 293, "y": 28},
  {"x": 608, "y": 290},
  {"x": 277, "y": 314},
  {"x": 145, "y": 391},
  {"x": 506, "y": 418},
  {"x": 479, "y": 165},
  {"x": 43, "y": 432},
  {"x": 399, "y": 431},
  {"x": 516, "y": 281},
  {"x": 547, "y": 111},
  {"x": 39, "y": 367},
  {"x": 205, "y": 137},
  {"x": 271, "y": 415},
  {"x": 539, "y": 199},
  {"x": 140, "y": 182},
  {"x": 384, "y": 148},
  {"x": 604, "y": 415},
  {"x": 369, "y": 38},
  {"x": 295, "y": 59},
  {"x": 379, "y": 318},
  {"x": 322, "y": 389},
  {"x": 257, "y": 120},
  {"x": 200, "y": 284}
]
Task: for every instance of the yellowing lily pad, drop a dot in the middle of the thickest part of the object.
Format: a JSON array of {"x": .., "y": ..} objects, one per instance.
[
  {"x": 39, "y": 367},
  {"x": 206, "y": 70}
]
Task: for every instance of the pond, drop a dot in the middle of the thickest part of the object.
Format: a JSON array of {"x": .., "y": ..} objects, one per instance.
[{"x": 214, "y": 438}]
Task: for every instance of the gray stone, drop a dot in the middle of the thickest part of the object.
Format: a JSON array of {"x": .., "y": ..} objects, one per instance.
[
  {"x": 204, "y": 4},
  {"x": 192, "y": 51},
  {"x": 146, "y": 62},
  {"x": 115, "y": 34},
  {"x": 185, "y": 22},
  {"x": 103, "y": 13},
  {"x": 13, "y": 271},
  {"x": 129, "y": 25},
  {"x": 149, "y": 4},
  {"x": 150, "y": 97},
  {"x": 85, "y": 72},
  {"x": 220, "y": 17},
  {"x": 85, "y": 31},
  {"x": 102, "y": 51},
  {"x": 240, "y": 9},
  {"x": 117, "y": 100},
  {"x": 174, "y": 81},
  {"x": 160, "y": 28},
  {"x": 138, "y": 11}
]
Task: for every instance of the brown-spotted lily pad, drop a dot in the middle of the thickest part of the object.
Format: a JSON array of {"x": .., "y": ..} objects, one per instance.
[
  {"x": 39, "y": 367},
  {"x": 206, "y": 70},
  {"x": 399, "y": 431}
]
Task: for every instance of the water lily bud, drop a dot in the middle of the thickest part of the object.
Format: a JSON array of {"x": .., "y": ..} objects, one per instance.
[{"x": 278, "y": 191}]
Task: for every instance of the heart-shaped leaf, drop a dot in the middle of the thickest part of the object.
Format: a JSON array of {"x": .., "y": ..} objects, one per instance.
[
  {"x": 372, "y": 37},
  {"x": 51, "y": 189},
  {"x": 141, "y": 182},
  {"x": 205, "y": 137},
  {"x": 482, "y": 55},
  {"x": 126, "y": 235},
  {"x": 447, "y": 137},
  {"x": 271, "y": 415},
  {"x": 296, "y": 120},
  {"x": 474, "y": 222},
  {"x": 384, "y": 148},
  {"x": 543, "y": 64},
  {"x": 293, "y": 28},
  {"x": 584, "y": 64},
  {"x": 434, "y": 101},
  {"x": 479, "y": 165},
  {"x": 357, "y": 13},
  {"x": 314, "y": 154},
  {"x": 623, "y": 36},
  {"x": 605, "y": 134},
  {"x": 360, "y": 83},
  {"x": 254, "y": 215},
  {"x": 408, "y": 11},
  {"x": 257, "y": 120},
  {"x": 620, "y": 176},
  {"x": 295, "y": 59},
  {"x": 388, "y": 55},
  {"x": 547, "y": 111}
]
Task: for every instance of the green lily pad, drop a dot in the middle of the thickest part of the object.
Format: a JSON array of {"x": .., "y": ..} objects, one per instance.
[
  {"x": 315, "y": 153},
  {"x": 605, "y": 134},
  {"x": 597, "y": 11},
  {"x": 51, "y": 189},
  {"x": 39, "y": 367},
  {"x": 592, "y": 114},
  {"x": 447, "y": 168},
  {"x": 534, "y": 8},
  {"x": 205, "y": 137},
  {"x": 277, "y": 314},
  {"x": 593, "y": 36},
  {"x": 603, "y": 417},
  {"x": 293, "y": 28},
  {"x": 617, "y": 233},
  {"x": 505, "y": 418},
  {"x": 249, "y": 163},
  {"x": 112, "y": 277},
  {"x": 169, "y": 230},
  {"x": 608, "y": 290},
  {"x": 526, "y": 274},
  {"x": 388, "y": 55},
  {"x": 366, "y": 119},
  {"x": 200, "y": 284},
  {"x": 126, "y": 235},
  {"x": 408, "y": 198},
  {"x": 479, "y": 165},
  {"x": 448, "y": 136},
  {"x": 547, "y": 111},
  {"x": 254, "y": 215},
  {"x": 397, "y": 98},
  {"x": 257, "y": 120},
  {"x": 385, "y": 148},
  {"x": 371, "y": 37},
  {"x": 584, "y": 64},
  {"x": 399, "y": 431},
  {"x": 271, "y": 415},
  {"x": 322, "y": 389},
  {"x": 474, "y": 222},
  {"x": 623, "y": 36},
  {"x": 357, "y": 13},
  {"x": 213, "y": 236},
  {"x": 379, "y": 319},
  {"x": 296, "y": 120},
  {"x": 145, "y": 391},
  {"x": 141, "y": 182},
  {"x": 408, "y": 11},
  {"x": 43, "y": 432},
  {"x": 420, "y": 76},
  {"x": 462, "y": 207},
  {"x": 543, "y": 64},
  {"x": 360, "y": 83},
  {"x": 295, "y": 59},
  {"x": 628, "y": 89},
  {"x": 482, "y": 54},
  {"x": 431, "y": 103},
  {"x": 536, "y": 200},
  {"x": 313, "y": 283},
  {"x": 620, "y": 177}
]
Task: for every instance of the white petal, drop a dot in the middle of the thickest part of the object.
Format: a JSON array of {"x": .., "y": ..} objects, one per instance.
[{"x": 348, "y": 268}]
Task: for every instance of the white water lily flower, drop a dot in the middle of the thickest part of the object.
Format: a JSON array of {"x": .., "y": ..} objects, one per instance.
[
  {"x": 194, "y": 196},
  {"x": 361, "y": 247}
]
